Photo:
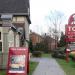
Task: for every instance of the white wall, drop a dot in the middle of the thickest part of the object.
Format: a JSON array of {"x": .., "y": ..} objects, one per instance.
[
  {"x": 11, "y": 38},
  {"x": 17, "y": 39},
  {"x": 26, "y": 31}
]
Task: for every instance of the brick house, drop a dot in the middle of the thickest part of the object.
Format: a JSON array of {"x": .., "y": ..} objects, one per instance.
[
  {"x": 51, "y": 42},
  {"x": 14, "y": 26},
  {"x": 36, "y": 38}
]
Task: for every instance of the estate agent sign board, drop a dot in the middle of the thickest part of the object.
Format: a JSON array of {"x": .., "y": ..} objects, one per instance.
[
  {"x": 17, "y": 61},
  {"x": 70, "y": 33}
]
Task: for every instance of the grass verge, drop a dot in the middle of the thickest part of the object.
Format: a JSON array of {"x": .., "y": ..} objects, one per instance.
[
  {"x": 32, "y": 68},
  {"x": 47, "y": 55},
  {"x": 2, "y": 72},
  {"x": 69, "y": 68},
  {"x": 33, "y": 65}
]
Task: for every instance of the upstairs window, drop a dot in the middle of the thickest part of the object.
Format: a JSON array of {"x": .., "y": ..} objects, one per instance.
[
  {"x": 0, "y": 46},
  {"x": 0, "y": 35},
  {"x": 18, "y": 19}
]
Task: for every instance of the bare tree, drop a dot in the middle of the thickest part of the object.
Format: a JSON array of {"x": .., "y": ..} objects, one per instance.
[{"x": 55, "y": 19}]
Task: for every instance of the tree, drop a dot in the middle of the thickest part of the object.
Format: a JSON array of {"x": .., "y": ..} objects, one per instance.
[
  {"x": 62, "y": 41},
  {"x": 55, "y": 19},
  {"x": 30, "y": 46}
]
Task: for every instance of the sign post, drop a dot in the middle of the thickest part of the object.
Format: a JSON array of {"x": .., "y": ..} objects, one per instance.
[
  {"x": 70, "y": 36},
  {"x": 67, "y": 55},
  {"x": 17, "y": 61}
]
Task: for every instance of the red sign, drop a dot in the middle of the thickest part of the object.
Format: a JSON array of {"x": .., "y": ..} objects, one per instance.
[
  {"x": 17, "y": 61},
  {"x": 70, "y": 35},
  {"x": 70, "y": 32},
  {"x": 71, "y": 19}
]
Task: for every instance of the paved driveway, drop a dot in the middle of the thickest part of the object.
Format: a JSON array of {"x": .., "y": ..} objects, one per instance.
[{"x": 47, "y": 66}]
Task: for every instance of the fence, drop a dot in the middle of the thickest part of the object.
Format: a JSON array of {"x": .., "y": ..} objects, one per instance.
[{"x": 3, "y": 60}]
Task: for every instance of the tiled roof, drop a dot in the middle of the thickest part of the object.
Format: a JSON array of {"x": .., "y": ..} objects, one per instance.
[{"x": 14, "y": 6}]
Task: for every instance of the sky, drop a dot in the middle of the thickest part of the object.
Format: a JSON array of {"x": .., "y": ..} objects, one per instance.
[{"x": 39, "y": 9}]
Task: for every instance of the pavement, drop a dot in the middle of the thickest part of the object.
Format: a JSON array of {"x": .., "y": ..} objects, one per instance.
[{"x": 47, "y": 66}]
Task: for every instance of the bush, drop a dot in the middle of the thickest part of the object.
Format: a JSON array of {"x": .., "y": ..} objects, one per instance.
[
  {"x": 37, "y": 53},
  {"x": 58, "y": 54},
  {"x": 72, "y": 56},
  {"x": 40, "y": 47}
]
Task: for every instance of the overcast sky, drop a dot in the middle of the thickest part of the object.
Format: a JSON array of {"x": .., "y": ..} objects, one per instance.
[{"x": 39, "y": 9}]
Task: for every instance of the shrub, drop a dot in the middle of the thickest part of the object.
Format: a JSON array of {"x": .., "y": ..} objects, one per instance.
[
  {"x": 58, "y": 54},
  {"x": 72, "y": 56},
  {"x": 37, "y": 53},
  {"x": 40, "y": 47},
  {"x": 30, "y": 46}
]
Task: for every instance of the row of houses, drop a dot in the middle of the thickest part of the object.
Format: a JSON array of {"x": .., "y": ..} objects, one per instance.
[{"x": 37, "y": 38}]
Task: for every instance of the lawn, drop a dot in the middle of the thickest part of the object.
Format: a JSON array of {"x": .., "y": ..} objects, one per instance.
[
  {"x": 47, "y": 55},
  {"x": 2, "y": 72},
  {"x": 33, "y": 65},
  {"x": 69, "y": 68},
  {"x": 32, "y": 68}
]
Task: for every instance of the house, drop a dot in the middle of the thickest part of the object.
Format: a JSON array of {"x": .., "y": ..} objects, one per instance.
[
  {"x": 36, "y": 38},
  {"x": 14, "y": 26},
  {"x": 51, "y": 42}
]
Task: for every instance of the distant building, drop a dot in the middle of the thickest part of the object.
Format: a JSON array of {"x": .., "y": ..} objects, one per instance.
[
  {"x": 14, "y": 26},
  {"x": 36, "y": 38},
  {"x": 51, "y": 42}
]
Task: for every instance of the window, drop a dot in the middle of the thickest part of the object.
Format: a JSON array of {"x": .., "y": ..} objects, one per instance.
[
  {"x": 14, "y": 19},
  {"x": 0, "y": 35},
  {"x": 18, "y": 19},
  {"x": 0, "y": 46}
]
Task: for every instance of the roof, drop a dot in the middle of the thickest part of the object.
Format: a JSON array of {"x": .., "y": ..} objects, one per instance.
[
  {"x": 14, "y": 6},
  {"x": 36, "y": 34}
]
